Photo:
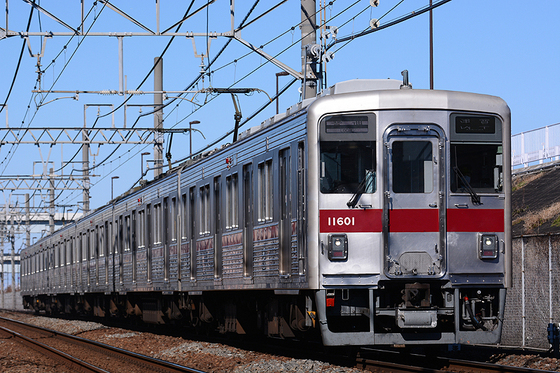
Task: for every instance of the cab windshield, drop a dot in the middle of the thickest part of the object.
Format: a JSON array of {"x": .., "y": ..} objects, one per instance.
[
  {"x": 344, "y": 165},
  {"x": 476, "y": 166}
]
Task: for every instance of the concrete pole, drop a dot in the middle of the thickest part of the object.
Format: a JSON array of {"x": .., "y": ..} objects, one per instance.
[
  {"x": 158, "y": 116},
  {"x": 308, "y": 37}
]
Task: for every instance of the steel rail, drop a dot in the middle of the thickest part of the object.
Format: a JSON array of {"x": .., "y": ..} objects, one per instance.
[
  {"x": 143, "y": 360},
  {"x": 72, "y": 362},
  {"x": 440, "y": 364}
]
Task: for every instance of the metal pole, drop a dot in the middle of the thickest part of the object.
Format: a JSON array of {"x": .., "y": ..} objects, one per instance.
[
  {"x": 85, "y": 166},
  {"x": 158, "y": 116},
  {"x": 13, "y": 272},
  {"x": 431, "y": 49},
  {"x": 28, "y": 218},
  {"x": 51, "y": 192},
  {"x": 2, "y": 276},
  {"x": 121, "y": 66},
  {"x": 308, "y": 37},
  {"x": 523, "y": 318}
]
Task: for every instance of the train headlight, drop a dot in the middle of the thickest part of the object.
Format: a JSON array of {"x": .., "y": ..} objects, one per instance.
[
  {"x": 488, "y": 246},
  {"x": 338, "y": 247}
]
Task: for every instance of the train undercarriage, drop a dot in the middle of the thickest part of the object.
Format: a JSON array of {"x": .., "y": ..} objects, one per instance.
[{"x": 393, "y": 313}]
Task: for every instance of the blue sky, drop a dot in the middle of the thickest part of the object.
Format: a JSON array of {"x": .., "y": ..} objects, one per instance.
[{"x": 507, "y": 48}]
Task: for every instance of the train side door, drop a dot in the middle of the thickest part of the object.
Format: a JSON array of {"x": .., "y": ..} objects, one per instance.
[{"x": 414, "y": 203}]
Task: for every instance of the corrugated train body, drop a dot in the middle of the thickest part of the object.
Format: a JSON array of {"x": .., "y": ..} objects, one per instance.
[{"x": 373, "y": 214}]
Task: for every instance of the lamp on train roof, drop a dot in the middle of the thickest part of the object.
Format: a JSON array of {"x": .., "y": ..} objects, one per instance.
[
  {"x": 190, "y": 135},
  {"x": 112, "y": 178}
]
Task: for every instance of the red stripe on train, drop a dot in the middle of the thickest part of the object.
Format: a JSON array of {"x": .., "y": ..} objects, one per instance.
[
  {"x": 411, "y": 220},
  {"x": 475, "y": 220}
]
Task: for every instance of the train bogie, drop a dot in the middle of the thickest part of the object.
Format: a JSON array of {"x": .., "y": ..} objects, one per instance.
[{"x": 372, "y": 216}]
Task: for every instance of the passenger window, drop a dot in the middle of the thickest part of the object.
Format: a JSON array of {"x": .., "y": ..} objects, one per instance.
[
  {"x": 348, "y": 166},
  {"x": 412, "y": 167}
]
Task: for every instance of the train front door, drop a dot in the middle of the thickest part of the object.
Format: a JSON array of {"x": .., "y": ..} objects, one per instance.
[{"x": 414, "y": 203}]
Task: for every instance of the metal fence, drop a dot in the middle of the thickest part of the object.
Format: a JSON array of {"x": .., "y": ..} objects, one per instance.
[{"x": 536, "y": 146}]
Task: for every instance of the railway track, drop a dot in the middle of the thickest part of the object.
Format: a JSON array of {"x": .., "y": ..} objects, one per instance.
[
  {"x": 432, "y": 364},
  {"x": 83, "y": 355}
]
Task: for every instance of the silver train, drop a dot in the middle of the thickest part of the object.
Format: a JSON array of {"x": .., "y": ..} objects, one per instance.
[{"x": 374, "y": 214}]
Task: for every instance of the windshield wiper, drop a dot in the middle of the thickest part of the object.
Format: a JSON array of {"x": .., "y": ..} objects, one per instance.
[
  {"x": 365, "y": 184},
  {"x": 475, "y": 198}
]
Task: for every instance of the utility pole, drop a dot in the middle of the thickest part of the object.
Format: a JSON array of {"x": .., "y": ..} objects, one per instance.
[
  {"x": 158, "y": 116},
  {"x": 308, "y": 40}
]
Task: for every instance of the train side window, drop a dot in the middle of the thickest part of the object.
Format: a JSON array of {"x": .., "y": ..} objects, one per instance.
[
  {"x": 205, "y": 210},
  {"x": 478, "y": 166},
  {"x": 347, "y": 164},
  {"x": 232, "y": 202},
  {"x": 412, "y": 167},
  {"x": 264, "y": 185}
]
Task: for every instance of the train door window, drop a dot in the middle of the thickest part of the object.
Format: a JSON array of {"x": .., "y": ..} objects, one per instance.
[
  {"x": 184, "y": 220},
  {"x": 85, "y": 246},
  {"x": 149, "y": 225},
  {"x": 285, "y": 210},
  {"x": 192, "y": 215},
  {"x": 127, "y": 233},
  {"x": 301, "y": 206},
  {"x": 205, "y": 210},
  {"x": 141, "y": 226},
  {"x": 78, "y": 249},
  {"x": 248, "y": 217},
  {"x": 93, "y": 243},
  {"x": 173, "y": 220},
  {"x": 348, "y": 167},
  {"x": 132, "y": 230},
  {"x": 217, "y": 206},
  {"x": 232, "y": 203},
  {"x": 264, "y": 190},
  {"x": 101, "y": 241},
  {"x": 412, "y": 167},
  {"x": 157, "y": 223}
]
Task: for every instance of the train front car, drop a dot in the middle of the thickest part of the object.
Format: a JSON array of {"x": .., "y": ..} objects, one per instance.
[{"x": 413, "y": 228}]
